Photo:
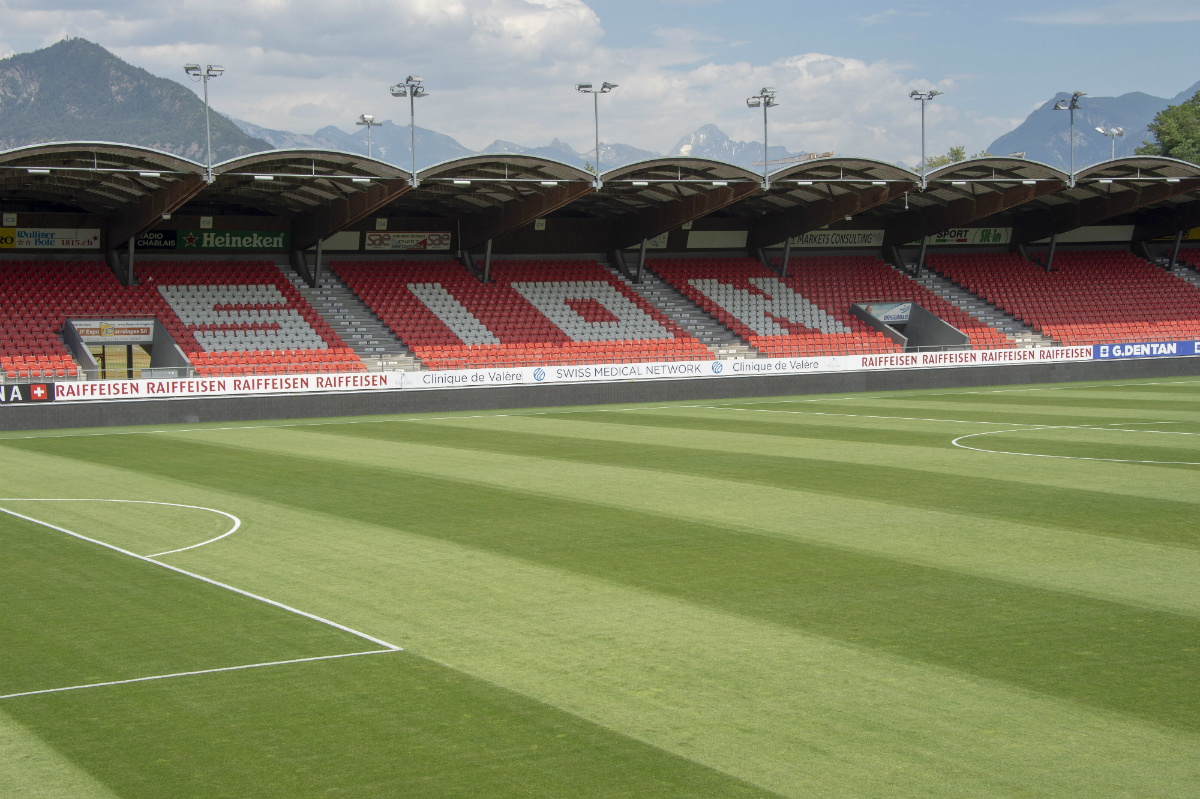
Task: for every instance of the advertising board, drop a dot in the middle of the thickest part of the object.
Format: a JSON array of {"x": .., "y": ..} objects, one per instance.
[
  {"x": 1152, "y": 349},
  {"x": 970, "y": 235},
  {"x": 29, "y": 238},
  {"x": 114, "y": 331},
  {"x": 825, "y": 239},
  {"x": 437, "y": 241},
  {"x": 157, "y": 240},
  {"x": 15, "y": 393},
  {"x": 889, "y": 312},
  {"x": 93, "y": 390},
  {"x": 252, "y": 240}
]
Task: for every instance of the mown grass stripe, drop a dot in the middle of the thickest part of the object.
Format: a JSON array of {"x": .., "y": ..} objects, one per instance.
[
  {"x": 1101, "y": 513},
  {"x": 1111, "y": 656}
]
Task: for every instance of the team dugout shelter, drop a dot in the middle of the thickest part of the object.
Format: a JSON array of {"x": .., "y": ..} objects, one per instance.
[{"x": 322, "y": 262}]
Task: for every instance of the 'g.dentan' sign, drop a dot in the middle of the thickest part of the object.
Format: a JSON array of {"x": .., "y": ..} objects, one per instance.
[
  {"x": 408, "y": 240},
  {"x": 269, "y": 240}
]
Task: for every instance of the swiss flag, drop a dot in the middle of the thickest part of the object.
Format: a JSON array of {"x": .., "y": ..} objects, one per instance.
[{"x": 39, "y": 392}]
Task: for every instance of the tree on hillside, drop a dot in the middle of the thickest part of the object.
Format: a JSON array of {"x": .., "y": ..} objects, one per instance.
[
  {"x": 955, "y": 155},
  {"x": 1176, "y": 132}
]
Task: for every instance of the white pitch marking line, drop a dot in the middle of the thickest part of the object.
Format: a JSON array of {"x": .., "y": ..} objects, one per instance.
[
  {"x": 201, "y": 671},
  {"x": 236, "y": 521},
  {"x": 1073, "y": 457},
  {"x": 854, "y": 415},
  {"x": 208, "y": 580}
]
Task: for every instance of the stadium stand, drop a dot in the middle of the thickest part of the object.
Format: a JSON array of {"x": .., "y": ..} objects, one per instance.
[
  {"x": 532, "y": 313},
  {"x": 38, "y": 296},
  {"x": 1090, "y": 297},
  {"x": 245, "y": 318},
  {"x": 808, "y": 313}
]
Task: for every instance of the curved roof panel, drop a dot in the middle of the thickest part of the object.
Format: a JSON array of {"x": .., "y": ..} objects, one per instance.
[
  {"x": 998, "y": 169},
  {"x": 503, "y": 166},
  {"x": 674, "y": 167},
  {"x": 95, "y": 177},
  {"x": 310, "y": 161},
  {"x": 842, "y": 169},
  {"x": 102, "y": 155},
  {"x": 1139, "y": 166}
]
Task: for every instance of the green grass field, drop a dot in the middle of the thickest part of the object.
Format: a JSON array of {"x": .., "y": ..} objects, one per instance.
[{"x": 842, "y": 596}]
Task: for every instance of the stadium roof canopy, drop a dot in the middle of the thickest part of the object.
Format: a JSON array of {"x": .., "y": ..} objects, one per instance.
[{"x": 321, "y": 192}]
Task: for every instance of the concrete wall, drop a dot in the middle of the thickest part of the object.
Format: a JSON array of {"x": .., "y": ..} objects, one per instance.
[{"x": 237, "y": 409}]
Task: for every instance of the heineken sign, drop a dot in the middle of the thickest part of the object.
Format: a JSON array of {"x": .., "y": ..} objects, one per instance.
[{"x": 243, "y": 240}]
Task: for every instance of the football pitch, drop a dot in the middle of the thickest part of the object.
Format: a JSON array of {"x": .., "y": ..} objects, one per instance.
[{"x": 974, "y": 593}]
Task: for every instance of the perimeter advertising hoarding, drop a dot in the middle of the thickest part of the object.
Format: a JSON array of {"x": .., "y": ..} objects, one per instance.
[
  {"x": 115, "y": 331},
  {"x": 677, "y": 370},
  {"x": 224, "y": 386},
  {"x": 13, "y": 393},
  {"x": 614, "y": 373},
  {"x": 241, "y": 240},
  {"x": 438, "y": 240},
  {"x": 30, "y": 238},
  {"x": 1153, "y": 349}
]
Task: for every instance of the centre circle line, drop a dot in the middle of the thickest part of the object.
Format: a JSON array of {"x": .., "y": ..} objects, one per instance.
[{"x": 956, "y": 443}]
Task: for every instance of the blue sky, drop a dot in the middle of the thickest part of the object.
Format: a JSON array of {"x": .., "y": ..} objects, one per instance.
[{"x": 504, "y": 69}]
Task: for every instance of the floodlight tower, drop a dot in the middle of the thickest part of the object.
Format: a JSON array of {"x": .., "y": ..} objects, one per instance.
[
  {"x": 208, "y": 73},
  {"x": 1114, "y": 134},
  {"x": 369, "y": 121},
  {"x": 924, "y": 97},
  {"x": 1072, "y": 105},
  {"x": 411, "y": 88},
  {"x": 605, "y": 88},
  {"x": 766, "y": 99}
]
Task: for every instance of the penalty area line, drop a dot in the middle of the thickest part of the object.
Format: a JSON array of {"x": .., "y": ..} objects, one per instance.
[
  {"x": 204, "y": 579},
  {"x": 194, "y": 673}
]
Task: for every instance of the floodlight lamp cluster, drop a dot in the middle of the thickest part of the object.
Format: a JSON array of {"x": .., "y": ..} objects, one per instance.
[
  {"x": 1117, "y": 132},
  {"x": 195, "y": 73},
  {"x": 586, "y": 88},
  {"x": 765, "y": 97},
  {"x": 410, "y": 86},
  {"x": 926, "y": 96},
  {"x": 1070, "y": 105}
]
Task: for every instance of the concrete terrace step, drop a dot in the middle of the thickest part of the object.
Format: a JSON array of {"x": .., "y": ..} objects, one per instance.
[
  {"x": 363, "y": 331},
  {"x": 985, "y": 312},
  {"x": 690, "y": 317},
  {"x": 1187, "y": 273}
]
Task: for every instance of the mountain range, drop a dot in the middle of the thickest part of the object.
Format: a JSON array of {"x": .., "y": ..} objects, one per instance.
[
  {"x": 390, "y": 142},
  {"x": 1045, "y": 134},
  {"x": 75, "y": 90}
]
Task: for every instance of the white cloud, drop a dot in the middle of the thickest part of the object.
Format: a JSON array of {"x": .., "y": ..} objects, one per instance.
[{"x": 500, "y": 69}]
